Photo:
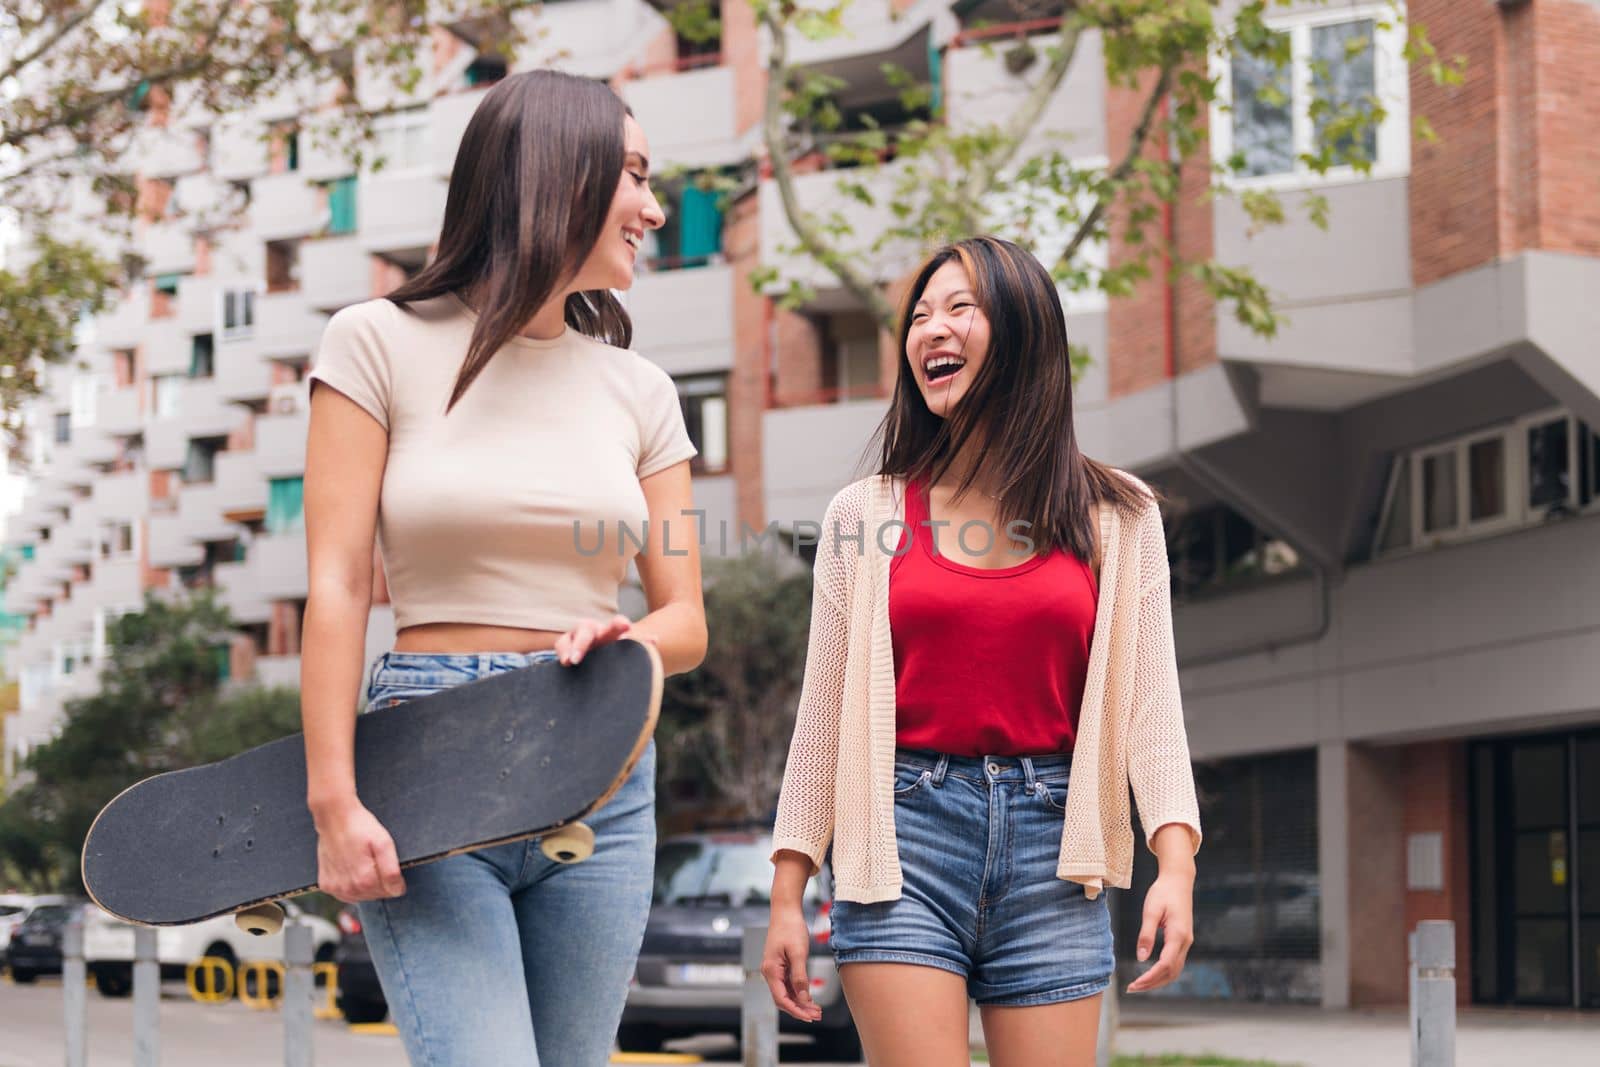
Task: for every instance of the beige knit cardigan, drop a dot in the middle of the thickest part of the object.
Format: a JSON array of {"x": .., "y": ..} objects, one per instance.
[{"x": 839, "y": 782}]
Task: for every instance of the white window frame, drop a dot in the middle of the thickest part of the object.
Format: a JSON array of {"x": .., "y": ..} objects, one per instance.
[
  {"x": 1391, "y": 76},
  {"x": 85, "y": 396},
  {"x": 166, "y": 383},
  {"x": 106, "y": 535},
  {"x": 1519, "y": 513},
  {"x": 223, "y": 332}
]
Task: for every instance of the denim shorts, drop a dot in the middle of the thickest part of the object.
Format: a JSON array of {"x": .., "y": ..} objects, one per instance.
[
  {"x": 501, "y": 955},
  {"x": 979, "y": 840}
]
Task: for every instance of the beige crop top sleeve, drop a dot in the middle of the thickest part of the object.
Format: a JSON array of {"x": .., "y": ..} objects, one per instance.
[{"x": 523, "y": 506}]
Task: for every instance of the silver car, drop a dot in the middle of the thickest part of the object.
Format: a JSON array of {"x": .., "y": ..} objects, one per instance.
[{"x": 708, "y": 887}]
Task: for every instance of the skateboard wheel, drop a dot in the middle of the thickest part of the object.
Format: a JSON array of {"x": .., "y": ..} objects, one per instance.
[
  {"x": 570, "y": 844},
  {"x": 261, "y": 920}
]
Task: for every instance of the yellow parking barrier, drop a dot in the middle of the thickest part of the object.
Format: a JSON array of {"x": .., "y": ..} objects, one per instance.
[
  {"x": 379, "y": 1029},
  {"x": 220, "y": 985},
  {"x": 655, "y": 1057},
  {"x": 330, "y": 990},
  {"x": 263, "y": 997}
]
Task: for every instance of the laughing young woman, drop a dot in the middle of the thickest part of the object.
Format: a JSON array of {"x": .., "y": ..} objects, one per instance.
[
  {"x": 990, "y": 622},
  {"x": 483, "y": 420}
]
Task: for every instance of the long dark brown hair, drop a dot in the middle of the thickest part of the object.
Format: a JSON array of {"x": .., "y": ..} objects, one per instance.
[
  {"x": 1018, "y": 408},
  {"x": 530, "y": 190}
]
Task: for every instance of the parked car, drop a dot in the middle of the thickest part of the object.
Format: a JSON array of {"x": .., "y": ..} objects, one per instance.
[
  {"x": 108, "y": 945},
  {"x": 689, "y": 980},
  {"x": 34, "y": 947},
  {"x": 360, "y": 998},
  {"x": 14, "y": 908}
]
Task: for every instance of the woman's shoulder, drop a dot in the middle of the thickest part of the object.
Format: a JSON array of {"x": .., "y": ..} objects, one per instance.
[{"x": 852, "y": 501}]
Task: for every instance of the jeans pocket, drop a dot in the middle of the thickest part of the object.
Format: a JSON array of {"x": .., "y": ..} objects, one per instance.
[
  {"x": 907, "y": 780},
  {"x": 1053, "y": 795}
]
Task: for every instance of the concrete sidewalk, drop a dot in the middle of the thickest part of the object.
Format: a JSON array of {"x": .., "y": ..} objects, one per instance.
[{"x": 1312, "y": 1037}]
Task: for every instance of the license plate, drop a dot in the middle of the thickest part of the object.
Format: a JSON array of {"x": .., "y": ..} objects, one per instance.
[
  {"x": 719, "y": 974},
  {"x": 36, "y": 939}
]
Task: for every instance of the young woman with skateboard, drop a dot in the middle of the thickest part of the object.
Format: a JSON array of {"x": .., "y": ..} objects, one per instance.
[
  {"x": 488, "y": 424},
  {"x": 991, "y": 665}
]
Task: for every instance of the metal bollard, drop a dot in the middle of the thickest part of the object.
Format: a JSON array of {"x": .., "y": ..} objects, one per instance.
[
  {"x": 74, "y": 982},
  {"x": 1106, "y": 1041},
  {"x": 758, "y": 1015},
  {"x": 1433, "y": 994},
  {"x": 298, "y": 992},
  {"x": 146, "y": 998}
]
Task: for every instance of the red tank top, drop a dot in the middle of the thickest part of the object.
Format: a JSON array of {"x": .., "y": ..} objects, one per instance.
[{"x": 986, "y": 662}]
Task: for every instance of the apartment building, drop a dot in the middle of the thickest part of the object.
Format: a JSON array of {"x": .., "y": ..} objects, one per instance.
[{"x": 1383, "y": 532}]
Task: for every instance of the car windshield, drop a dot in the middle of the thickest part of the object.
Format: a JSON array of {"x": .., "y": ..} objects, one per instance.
[
  {"x": 8, "y": 910},
  {"x": 48, "y": 913},
  {"x": 725, "y": 873}
]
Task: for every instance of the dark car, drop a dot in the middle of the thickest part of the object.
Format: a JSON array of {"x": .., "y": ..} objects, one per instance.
[
  {"x": 360, "y": 997},
  {"x": 690, "y": 978},
  {"x": 35, "y": 946}
]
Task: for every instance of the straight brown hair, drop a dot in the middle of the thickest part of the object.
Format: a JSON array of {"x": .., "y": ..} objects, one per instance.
[
  {"x": 530, "y": 190},
  {"x": 1018, "y": 408}
]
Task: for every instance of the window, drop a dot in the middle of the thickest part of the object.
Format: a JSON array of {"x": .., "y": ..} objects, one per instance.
[
  {"x": 1514, "y": 475},
  {"x": 485, "y": 70},
  {"x": 166, "y": 392},
  {"x": 1323, "y": 74},
  {"x": 85, "y": 397},
  {"x": 692, "y": 236},
  {"x": 1214, "y": 546},
  {"x": 202, "y": 356},
  {"x": 342, "y": 206},
  {"x": 401, "y": 142},
  {"x": 285, "y": 505},
  {"x": 238, "y": 313},
  {"x": 199, "y": 467},
  {"x": 705, "y": 413},
  {"x": 283, "y": 266},
  {"x": 63, "y": 426},
  {"x": 116, "y": 540},
  {"x": 286, "y": 148}
]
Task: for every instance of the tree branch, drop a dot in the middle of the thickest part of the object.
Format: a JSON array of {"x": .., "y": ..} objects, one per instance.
[
  {"x": 1141, "y": 134},
  {"x": 1024, "y": 119},
  {"x": 783, "y": 174},
  {"x": 50, "y": 42}
]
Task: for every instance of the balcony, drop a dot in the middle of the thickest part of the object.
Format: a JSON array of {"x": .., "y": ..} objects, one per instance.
[
  {"x": 690, "y": 116},
  {"x": 808, "y": 453},
  {"x": 166, "y": 152},
  {"x": 236, "y": 591},
  {"x": 240, "y": 489},
  {"x": 124, "y": 496},
  {"x": 167, "y": 348},
  {"x": 278, "y": 671},
  {"x": 123, "y": 326},
  {"x": 279, "y": 565},
  {"x": 168, "y": 248},
  {"x": 687, "y": 317},
  {"x": 400, "y": 211},
  {"x": 281, "y": 445},
  {"x": 285, "y": 205},
  {"x": 204, "y": 196},
  {"x": 818, "y": 193},
  {"x": 238, "y": 151},
  {"x": 170, "y": 545},
  {"x": 200, "y": 513},
  {"x": 335, "y": 271},
  {"x": 118, "y": 412},
  {"x": 197, "y": 304},
  {"x": 594, "y": 37},
  {"x": 870, "y": 31},
  {"x": 116, "y": 582},
  {"x": 286, "y": 326},
  {"x": 448, "y": 116},
  {"x": 979, "y": 89},
  {"x": 242, "y": 373}
]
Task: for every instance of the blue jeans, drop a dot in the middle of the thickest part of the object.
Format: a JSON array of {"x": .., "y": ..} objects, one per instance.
[
  {"x": 978, "y": 841},
  {"x": 501, "y": 956}
]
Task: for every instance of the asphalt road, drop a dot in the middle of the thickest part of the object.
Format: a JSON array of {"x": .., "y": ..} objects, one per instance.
[{"x": 204, "y": 1035}]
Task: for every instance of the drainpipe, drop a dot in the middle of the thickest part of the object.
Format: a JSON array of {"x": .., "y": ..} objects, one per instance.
[{"x": 1204, "y": 473}]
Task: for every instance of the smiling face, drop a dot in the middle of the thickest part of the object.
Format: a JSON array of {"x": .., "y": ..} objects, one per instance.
[
  {"x": 948, "y": 338},
  {"x": 634, "y": 209}
]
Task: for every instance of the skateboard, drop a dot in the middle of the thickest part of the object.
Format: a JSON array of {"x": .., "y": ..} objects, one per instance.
[{"x": 522, "y": 754}]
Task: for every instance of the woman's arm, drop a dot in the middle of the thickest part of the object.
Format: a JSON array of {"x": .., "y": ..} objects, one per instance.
[{"x": 346, "y": 449}]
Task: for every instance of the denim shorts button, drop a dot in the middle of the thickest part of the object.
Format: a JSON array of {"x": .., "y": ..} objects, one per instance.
[{"x": 994, "y": 768}]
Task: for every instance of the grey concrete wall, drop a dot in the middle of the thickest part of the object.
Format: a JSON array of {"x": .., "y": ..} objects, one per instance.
[{"x": 1481, "y": 637}]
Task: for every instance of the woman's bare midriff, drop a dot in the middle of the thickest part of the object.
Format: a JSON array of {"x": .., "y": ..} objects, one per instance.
[{"x": 471, "y": 637}]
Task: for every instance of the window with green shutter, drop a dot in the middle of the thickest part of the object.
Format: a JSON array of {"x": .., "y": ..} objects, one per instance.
[
  {"x": 285, "y": 505},
  {"x": 342, "y": 206}
]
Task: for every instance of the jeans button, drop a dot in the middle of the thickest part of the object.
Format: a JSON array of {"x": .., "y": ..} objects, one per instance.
[{"x": 994, "y": 768}]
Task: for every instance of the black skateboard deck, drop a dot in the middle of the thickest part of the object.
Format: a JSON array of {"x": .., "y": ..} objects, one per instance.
[{"x": 516, "y": 755}]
